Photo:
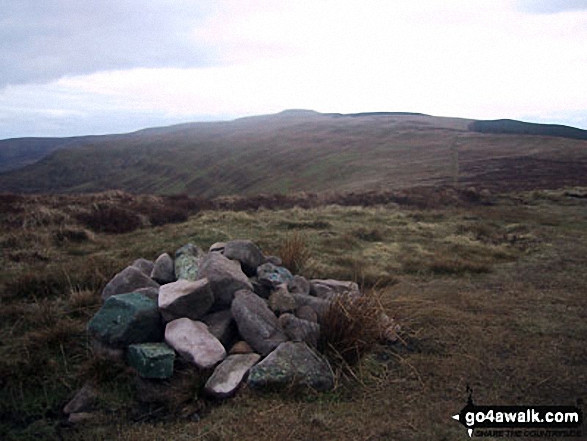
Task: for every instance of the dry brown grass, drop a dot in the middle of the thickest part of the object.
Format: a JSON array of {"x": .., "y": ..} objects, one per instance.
[
  {"x": 350, "y": 328},
  {"x": 294, "y": 252}
]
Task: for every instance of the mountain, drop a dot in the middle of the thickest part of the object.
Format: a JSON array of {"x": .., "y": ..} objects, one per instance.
[{"x": 302, "y": 150}]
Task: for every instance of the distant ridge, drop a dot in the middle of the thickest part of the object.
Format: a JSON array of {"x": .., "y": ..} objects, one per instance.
[
  {"x": 355, "y": 115},
  {"x": 302, "y": 151},
  {"x": 513, "y": 127}
]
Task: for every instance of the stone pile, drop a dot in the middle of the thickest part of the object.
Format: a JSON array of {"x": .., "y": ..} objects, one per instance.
[{"x": 232, "y": 311}]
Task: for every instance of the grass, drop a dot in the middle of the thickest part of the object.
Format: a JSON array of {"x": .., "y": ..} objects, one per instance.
[{"x": 476, "y": 306}]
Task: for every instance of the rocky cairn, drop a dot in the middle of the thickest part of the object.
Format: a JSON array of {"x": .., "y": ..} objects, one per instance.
[{"x": 232, "y": 311}]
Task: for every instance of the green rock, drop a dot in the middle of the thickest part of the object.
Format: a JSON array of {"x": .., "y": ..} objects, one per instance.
[
  {"x": 125, "y": 319},
  {"x": 293, "y": 365},
  {"x": 187, "y": 262},
  {"x": 151, "y": 360}
]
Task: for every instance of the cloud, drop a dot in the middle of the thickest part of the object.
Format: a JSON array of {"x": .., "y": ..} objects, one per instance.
[
  {"x": 551, "y": 6},
  {"x": 46, "y": 40}
]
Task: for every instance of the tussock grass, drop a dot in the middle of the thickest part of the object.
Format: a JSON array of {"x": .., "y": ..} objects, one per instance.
[
  {"x": 350, "y": 328},
  {"x": 294, "y": 252}
]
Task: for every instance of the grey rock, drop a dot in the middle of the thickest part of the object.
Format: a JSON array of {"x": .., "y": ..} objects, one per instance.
[
  {"x": 300, "y": 330},
  {"x": 194, "y": 342},
  {"x": 281, "y": 300},
  {"x": 320, "y": 306},
  {"x": 187, "y": 262},
  {"x": 260, "y": 289},
  {"x": 225, "y": 276},
  {"x": 144, "y": 265},
  {"x": 241, "y": 347},
  {"x": 247, "y": 253},
  {"x": 222, "y": 326},
  {"x": 128, "y": 280},
  {"x": 83, "y": 400},
  {"x": 256, "y": 323},
  {"x": 328, "y": 288},
  {"x": 292, "y": 365},
  {"x": 125, "y": 319},
  {"x": 229, "y": 374},
  {"x": 299, "y": 285},
  {"x": 307, "y": 313},
  {"x": 163, "y": 270},
  {"x": 272, "y": 275},
  {"x": 151, "y": 360},
  {"x": 185, "y": 298}
]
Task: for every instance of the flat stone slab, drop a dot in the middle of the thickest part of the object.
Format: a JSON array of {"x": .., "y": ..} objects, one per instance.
[
  {"x": 151, "y": 360},
  {"x": 185, "y": 298},
  {"x": 229, "y": 374},
  {"x": 328, "y": 289},
  {"x": 125, "y": 319},
  {"x": 256, "y": 323},
  {"x": 128, "y": 280},
  {"x": 194, "y": 342},
  {"x": 292, "y": 365}
]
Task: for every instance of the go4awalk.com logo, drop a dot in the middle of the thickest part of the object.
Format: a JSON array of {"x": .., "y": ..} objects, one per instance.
[{"x": 521, "y": 421}]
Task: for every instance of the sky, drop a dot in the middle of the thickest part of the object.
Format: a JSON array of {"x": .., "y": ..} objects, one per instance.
[{"x": 71, "y": 67}]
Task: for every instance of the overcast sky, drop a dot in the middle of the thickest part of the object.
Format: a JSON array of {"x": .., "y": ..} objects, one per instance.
[{"x": 72, "y": 67}]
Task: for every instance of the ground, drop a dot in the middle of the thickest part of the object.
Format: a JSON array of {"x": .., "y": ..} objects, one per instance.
[{"x": 489, "y": 294}]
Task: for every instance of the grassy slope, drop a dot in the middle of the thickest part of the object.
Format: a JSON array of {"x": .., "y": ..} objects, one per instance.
[
  {"x": 491, "y": 296},
  {"x": 295, "y": 151}
]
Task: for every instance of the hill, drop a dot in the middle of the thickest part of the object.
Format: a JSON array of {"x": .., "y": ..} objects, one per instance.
[{"x": 301, "y": 150}]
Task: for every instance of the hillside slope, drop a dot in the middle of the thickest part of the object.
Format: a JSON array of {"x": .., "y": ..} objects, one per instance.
[{"x": 305, "y": 151}]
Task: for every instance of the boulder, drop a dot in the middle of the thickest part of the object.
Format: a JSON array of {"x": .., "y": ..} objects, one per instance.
[
  {"x": 194, "y": 342},
  {"x": 300, "y": 330},
  {"x": 144, "y": 265},
  {"x": 83, "y": 400},
  {"x": 256, "y": 323},
  {"x": 247, "y": 253},
  {"x": 241, "y": 347},
  {"x": 225, "y": 276},
  {"x": 151, "y": 360},
  {"x": 272, "y": 275},
  {"x": 125, "y": 319},
  {"x": 307, "y": 313},
  {"x": 281, "y": 300},
  {"x": 185, "y": 298},
  {"x": 320, "y": 306},
  {"x": 163, "y": 270},
  {"x": 328, "y": 289},
  {"x": 292, "y": 365},
  {"x": 222, "y": 326},
  {"x": 299, "y": 285},
  {"x": 229, "y": 374},
  {"x": 128, "y": 280},
  {"x": 187, "y": 262}
]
